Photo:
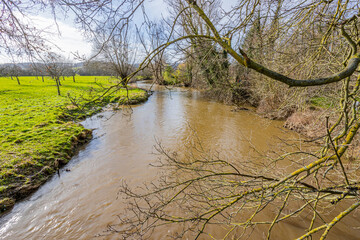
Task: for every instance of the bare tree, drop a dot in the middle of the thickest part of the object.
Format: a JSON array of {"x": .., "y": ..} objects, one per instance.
[
  {"x": 210, "y": 190},
  {"x": 70, "y": 70},
  {"x": 206, "y": 63},
  {"x": 18, "y": 36},
  {"x": 118, "y": 50},
  {"x": 13, "y": 70},
  {"x": 55, "y": 66},
  {"x": 323, "y": 36},
  {"x": 155, "y": 37}
]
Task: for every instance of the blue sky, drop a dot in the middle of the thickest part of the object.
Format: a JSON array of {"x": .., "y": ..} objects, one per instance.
[{"x": 69, "y": 39}]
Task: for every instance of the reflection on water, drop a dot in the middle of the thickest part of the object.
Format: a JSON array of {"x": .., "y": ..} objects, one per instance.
[{"x": 83, "y": 202}]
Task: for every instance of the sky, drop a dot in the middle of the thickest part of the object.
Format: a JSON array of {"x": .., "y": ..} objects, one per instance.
[
  {"x": 67, "y": 38},
  {"x": 70, "y": 40}
]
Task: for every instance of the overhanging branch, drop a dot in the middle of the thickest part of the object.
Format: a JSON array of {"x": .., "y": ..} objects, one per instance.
[{"x": 245, "y": 61}]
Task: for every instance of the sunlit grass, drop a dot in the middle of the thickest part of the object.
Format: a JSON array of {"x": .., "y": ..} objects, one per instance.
[{"x": 38, "y": 127}]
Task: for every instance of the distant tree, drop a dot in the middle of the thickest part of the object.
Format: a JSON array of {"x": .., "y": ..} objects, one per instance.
[
  {"x": 116, "y": 47},
  {"x": 152, "y": 35},
  {"x": 96, "y": 68},
  {"x": 55, "y": 66},
  {"x": 41, "y": 69},
  {"x": 14, "y": 71},
  {"x": 72, "y": 71},
  {"x": 2, "y": 71}
]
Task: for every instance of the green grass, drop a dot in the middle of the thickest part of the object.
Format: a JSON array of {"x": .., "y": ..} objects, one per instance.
[
  {"x": 322, "y": 102},
  {"x": 38, "y": 128}
]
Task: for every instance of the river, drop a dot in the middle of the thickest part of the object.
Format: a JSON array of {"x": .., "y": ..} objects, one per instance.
[{"x": 82, "y": 202}]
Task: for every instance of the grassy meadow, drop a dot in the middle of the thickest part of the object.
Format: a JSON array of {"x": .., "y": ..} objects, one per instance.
[{"x": 38, "y": 129}]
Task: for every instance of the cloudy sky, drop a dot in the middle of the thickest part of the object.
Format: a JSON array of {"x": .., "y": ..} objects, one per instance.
[
  {"x": 66, "y": 37},
  {"x": 70, "y": 40}
]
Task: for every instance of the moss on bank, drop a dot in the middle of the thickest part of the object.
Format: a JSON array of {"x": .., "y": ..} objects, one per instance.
[{"x": 38, "y": 129}]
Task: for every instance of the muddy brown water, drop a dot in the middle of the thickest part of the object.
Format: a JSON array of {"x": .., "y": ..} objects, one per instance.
[{"x": 82, "y": 202}]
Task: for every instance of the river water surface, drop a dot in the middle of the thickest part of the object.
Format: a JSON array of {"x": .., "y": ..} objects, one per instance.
[{"x": 82, "y": 202}]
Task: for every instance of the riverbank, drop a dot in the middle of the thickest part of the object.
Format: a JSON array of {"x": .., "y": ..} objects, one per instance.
[
  {"x": 40, "y": 130},
  {"x": 82, "y": 202},
  {"x": 306, "y": 118}
]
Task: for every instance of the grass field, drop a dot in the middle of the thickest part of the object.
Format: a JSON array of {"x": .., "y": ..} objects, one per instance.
[{"x": 38, "y": 129}]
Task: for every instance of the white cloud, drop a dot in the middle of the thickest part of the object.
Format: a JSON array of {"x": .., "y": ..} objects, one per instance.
[
  {"x": 156, "y": 9},
  {"x": 68, "y": 39},
  {"x": 64, "y": 38}
]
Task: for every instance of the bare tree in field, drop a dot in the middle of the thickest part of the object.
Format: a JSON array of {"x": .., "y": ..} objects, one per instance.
[
  {"x": 69, "y": 69},
  {"x": 39, "y": 69},
  {"x": 14, "y": 71},
  {"x": 72, "y": 71},
  {"x": 55, "y": 66}
]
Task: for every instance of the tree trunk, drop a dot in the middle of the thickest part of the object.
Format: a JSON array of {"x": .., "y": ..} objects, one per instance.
[
  {"x": 42, "y": 78},
  {"x": 73, "y": 78},
  {"x": 17, "y": 79},
  {"x": 57, "y": 80}
]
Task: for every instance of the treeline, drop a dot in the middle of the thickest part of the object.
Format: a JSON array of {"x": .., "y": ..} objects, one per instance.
[{"x": 94, "y": 68}]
